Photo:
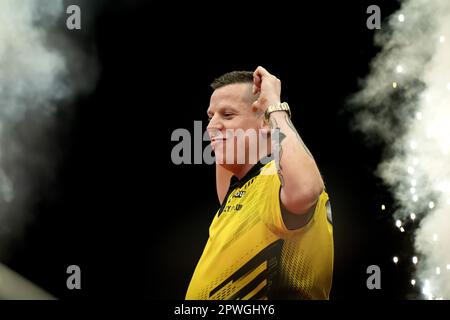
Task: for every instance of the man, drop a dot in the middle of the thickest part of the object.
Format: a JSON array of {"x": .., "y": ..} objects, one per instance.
[{"x": 272, "y": 237}]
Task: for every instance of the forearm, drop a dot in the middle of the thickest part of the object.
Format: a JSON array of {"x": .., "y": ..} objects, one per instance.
[{"x": 300, "y": 178}]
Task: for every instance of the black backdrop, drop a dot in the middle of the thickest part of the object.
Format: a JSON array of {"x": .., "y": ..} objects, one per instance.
[{"x": 136, "y": 223}]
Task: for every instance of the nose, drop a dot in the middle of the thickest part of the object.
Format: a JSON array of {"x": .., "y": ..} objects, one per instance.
[{"x": 214, "y": 126}]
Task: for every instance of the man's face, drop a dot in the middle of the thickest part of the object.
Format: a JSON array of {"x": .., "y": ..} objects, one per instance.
[{"x": 230, "y": 109}]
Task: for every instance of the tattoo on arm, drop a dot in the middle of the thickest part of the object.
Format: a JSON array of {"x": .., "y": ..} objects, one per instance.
[
  {"x": 277, "y": 138},
  {"x": 291, "y": 125}
]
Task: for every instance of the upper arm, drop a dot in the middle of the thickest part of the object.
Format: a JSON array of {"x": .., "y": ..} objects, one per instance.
[
  {"x": 299, "y": 203},
  {"x": 223, "y": 177},
  {"x": 294, "y": 221}
]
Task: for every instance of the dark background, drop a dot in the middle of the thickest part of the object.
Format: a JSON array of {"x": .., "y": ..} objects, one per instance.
[{"x": 134, "y": 222}]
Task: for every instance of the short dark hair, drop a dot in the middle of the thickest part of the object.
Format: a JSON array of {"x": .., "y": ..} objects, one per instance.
[{"x": 232, "y": 77}]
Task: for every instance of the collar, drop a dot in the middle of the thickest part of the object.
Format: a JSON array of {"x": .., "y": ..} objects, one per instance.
[{"x": 253, "y": 172}]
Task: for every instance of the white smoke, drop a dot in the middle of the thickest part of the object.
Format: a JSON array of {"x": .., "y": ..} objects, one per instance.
[
  {"x": 405, "y": 104},
  {"x": 36, "y": 76}
]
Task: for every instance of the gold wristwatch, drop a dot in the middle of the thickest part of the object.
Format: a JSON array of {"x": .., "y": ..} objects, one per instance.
[{"x": 277, "y": 107}]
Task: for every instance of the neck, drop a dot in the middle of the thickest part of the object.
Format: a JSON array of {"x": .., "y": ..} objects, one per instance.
[{"x": 240, "y": 170}]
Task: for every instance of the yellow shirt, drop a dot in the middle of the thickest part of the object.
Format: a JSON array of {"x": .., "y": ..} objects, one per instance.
[{"x": 250, "y": 254}]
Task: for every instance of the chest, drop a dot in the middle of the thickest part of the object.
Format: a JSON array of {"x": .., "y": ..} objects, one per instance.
[{"x": 242, "y": 209}]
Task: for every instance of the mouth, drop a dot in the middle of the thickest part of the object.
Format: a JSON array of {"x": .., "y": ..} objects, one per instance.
[{"x": 215, "y": 141}]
